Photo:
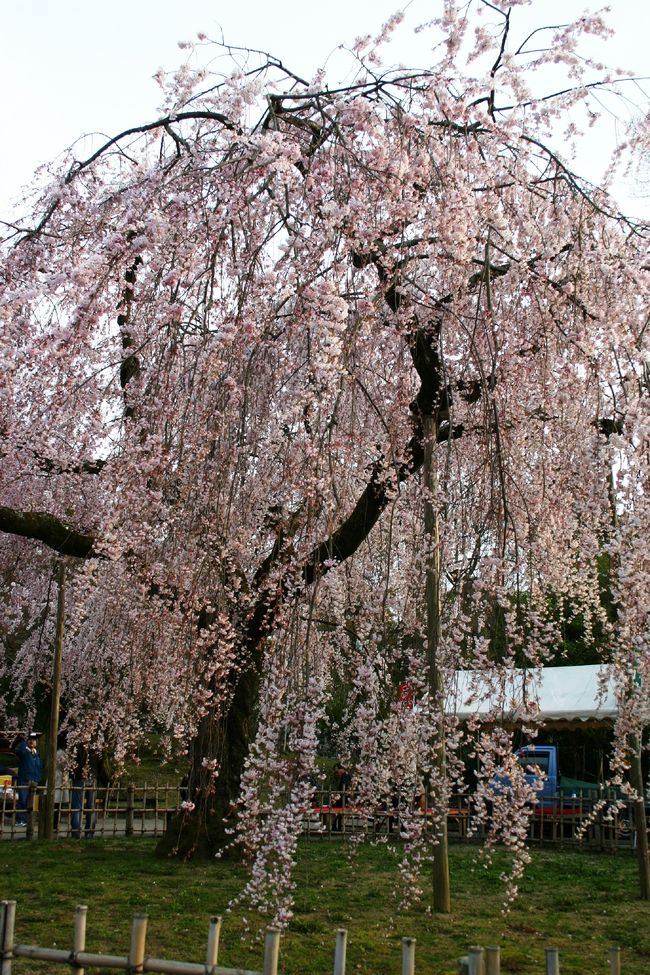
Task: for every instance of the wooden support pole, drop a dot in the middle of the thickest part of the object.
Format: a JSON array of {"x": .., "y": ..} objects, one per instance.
[
  {"x": 408, "y": 956},
  {"x": 212, "y": 953},
  {"x": 552, "y": 961},
  {"x": 340, "y": 951},
  {"x": 8, "y": 922},
  {"x": 79, "y": 943},
  {"x": 643, "y": 859},
  {"x": 31, "y": 803},
  {"x": 130, "y": 803},
  {"x": 271, "y": 951},
  {"x": 433, "y": 597},
  {"x": 614, "y": 960},
  {"x": 48, "y": 812},
  {"x": 138, "y": 938}
]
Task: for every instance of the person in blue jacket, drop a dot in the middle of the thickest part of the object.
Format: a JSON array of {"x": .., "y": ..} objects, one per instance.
[{"x": 30, "y": 769}]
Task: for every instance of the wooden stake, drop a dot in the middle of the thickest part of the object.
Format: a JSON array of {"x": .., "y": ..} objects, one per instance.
[
  {"x": 476, "y": 958},
  {"x": 552, "y": 961},
  {"x": 138, "y": 937},
  {"x": 79, "y": 933},
  {"x": 614, "y": 960},
  {"x": 214, "y": 931},
  {"x": 271, "y": 951},
  {"x": 408, "y": 956},
  {"x": 8, "y": 921},
  {"x": 493, "y": 960},
  {"x": 340, "y": 951}
]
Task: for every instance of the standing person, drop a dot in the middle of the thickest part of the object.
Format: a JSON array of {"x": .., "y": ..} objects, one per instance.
[
  {"x": 61, "y": 782},
  {"x": 342, "y": 781},
  {"x": 30, "y": 770},
  {"x": 84, "y": 780}
]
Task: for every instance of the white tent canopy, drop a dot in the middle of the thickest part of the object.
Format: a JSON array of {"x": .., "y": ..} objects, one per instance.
[{"x": 552, "y": 694}]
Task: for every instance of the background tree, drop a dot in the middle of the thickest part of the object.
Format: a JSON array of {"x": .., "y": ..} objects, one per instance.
[{"x": 225, "y": 337}]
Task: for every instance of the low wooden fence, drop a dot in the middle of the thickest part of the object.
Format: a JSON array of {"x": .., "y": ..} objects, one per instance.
[
  {"x": 478, "y": 960},
  {"x": 136, "y": 961},
  {"x": 129, "y": 810},
  {"x": 118, "y": 810},
  {"x": 573, "y": 822},
  {"x": 334, "y": 814}
]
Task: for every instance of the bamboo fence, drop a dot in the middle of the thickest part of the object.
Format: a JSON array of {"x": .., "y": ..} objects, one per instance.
[{"x": 478, "y": 960}]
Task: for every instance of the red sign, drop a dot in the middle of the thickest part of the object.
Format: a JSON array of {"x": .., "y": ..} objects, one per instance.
[{"x": 406, "y": 694}]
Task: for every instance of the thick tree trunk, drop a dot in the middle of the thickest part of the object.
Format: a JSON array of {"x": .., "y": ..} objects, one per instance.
[{"x": 207, "y": 828}]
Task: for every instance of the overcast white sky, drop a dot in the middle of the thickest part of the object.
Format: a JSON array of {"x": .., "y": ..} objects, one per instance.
[{"x": 69, "y": 67}]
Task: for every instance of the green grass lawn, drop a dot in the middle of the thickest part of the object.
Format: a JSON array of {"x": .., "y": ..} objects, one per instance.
[{"x": 579, "y": 902}]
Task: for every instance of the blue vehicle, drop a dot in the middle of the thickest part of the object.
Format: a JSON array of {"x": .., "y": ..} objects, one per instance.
[{"x": 544, "y": 758}]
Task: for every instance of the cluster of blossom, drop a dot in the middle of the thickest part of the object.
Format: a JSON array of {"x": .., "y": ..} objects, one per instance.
[
  {"x": 277, "y": 788},
  {"x": 504, "y": 801}
]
